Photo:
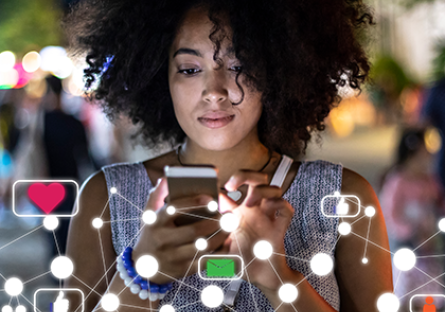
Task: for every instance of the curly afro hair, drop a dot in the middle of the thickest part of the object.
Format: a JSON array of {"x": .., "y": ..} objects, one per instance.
[{"x": 296, "y": 53}]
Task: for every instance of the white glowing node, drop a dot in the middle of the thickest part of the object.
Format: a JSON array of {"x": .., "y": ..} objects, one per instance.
[
  {"x": 31, "y": 62},
  {"x": 113, "y": 190},
  {"x": 344, "y": 228},
  {"x": 388, "y": 302},
  {"x": 442, "y": 225},
  {"x": 171, "y": 210},
  {"x": 365, "y": 260},
  {"x": 370, "y": 211},
  {"x": 288, "y": 293},
  {"x": 110, "y": 302},
  {"x": 7, "y": 308},
  {"x": 263, "y": 250},
  {"x": 98, "y": 223},
  {"x": 147, "y": 266},
  {"x": 167, "y": 308},
  {"x": 20, "y": 308},
  {"x": 229, "y": 222},
  {"x": 62, "y": 267},
  {"x": 50, "y": 223},
  {"x": 201, "y": 244},
  {"x": 149, "y": 217},
  {"x": 212, "y": 296},
  {"x": 404, "y": 259},
  {"x": 212, "y": 206},
  {"x": 322, "y": 264},
  {"x": 7, "y": 61},
  {"x": 13, "y": 286}
]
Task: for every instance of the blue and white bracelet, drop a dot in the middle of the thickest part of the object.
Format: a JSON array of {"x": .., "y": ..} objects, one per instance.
[{"x": 137, "y": 284}]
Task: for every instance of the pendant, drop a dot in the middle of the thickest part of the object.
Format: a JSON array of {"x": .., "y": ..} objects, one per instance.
[{"x": 235, "y": 195}]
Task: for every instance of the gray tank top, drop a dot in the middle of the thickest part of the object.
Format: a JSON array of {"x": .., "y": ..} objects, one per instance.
[{"x": 309, "y": 233}]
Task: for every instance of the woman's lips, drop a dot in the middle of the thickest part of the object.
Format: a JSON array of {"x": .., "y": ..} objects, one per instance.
[{"x": 215, "y": 123}]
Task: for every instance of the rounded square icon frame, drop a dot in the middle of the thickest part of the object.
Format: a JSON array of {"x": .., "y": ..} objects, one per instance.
[
  {"x": 422, "y": 295},
  {"x": 59, "y": 289},
  {"x": 220, "y": 278},
  {"x": 337, "y": 216},
  {"x": 76, "y": 203}
]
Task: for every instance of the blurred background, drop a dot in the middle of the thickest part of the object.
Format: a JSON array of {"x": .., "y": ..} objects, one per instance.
[{"x": 391, "y": 133}]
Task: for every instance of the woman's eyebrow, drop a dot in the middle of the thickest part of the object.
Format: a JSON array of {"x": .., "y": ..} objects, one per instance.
[{"x": 187, "y": 51}]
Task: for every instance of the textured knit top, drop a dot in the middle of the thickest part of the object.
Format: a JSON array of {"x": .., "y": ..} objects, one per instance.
[{"x": 309, "y": 233}]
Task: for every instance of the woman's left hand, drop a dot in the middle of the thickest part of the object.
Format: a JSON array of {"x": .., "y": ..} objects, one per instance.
[{"x": 263, "y": 215}]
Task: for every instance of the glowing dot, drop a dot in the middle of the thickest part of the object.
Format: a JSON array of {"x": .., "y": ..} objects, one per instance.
[
  {"x": 263, "y": 250},
  {"x": 212, "y": 206},
  {"x": 388, "y": 302},
  {"x": 98, "y": 223},
  {"x": 167, "y": 308},
  {"x": 370, "y": 211},
  {"x": 20, "y": 308},
  {"x": 110, "y": 302},
  {"x": 344, "y": 228},
  {"x": 7, "y": 61},
  {"x": 337, "y": 193},
  {"x": 288, "y": 293},
  {"x": 404, "y": 259},
  {"x": 31, "y": 62},
  {"x": 62, "y": 267},
  {"x": 113, "y": 190},
  {"x": 212, "y": 296},
  {"x": 149, "y": 217},
  {"x": 13, "y": 286},
  {"x": 365, "y": 260},
  {"x": 7, "y": 308},
  {"x": 201, "y": 244},
  {"x": 229, "y": 222},
  {"x": 51, "y": 223},
  {"x": 442, "y": 225},
  {"x": 171, "y": 210},
  {"x": 322, "y": 264},
  {"x": 147, "y": 266}
]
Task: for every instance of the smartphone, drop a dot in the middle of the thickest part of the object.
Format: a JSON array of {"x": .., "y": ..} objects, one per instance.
[{"x": 191, "y": 181}]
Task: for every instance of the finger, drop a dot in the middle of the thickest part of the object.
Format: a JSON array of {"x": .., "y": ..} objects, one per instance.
[
  {"x": 226, "y": 203},
  {"x": 270, "y": 207},
  {"x": 157, "y": 195},
  {"x": 257, "y": 193},
  {"x": 182, "y": 206},
  {"x": 188, "y": 234},
  {"x": 245, "y": 177}
]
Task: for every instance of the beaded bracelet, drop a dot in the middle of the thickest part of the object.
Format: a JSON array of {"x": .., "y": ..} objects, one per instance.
[{"x": 138, "y": 285}]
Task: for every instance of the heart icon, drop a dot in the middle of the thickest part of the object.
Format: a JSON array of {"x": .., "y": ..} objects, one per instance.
[
  {"x": 46, "y": 197},
  {"x": 235, "y": 195}
]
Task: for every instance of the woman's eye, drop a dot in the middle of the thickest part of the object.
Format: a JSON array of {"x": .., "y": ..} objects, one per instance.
[
  {"x": 189, "y": 71},
  {"x": 236, "y": 68}
]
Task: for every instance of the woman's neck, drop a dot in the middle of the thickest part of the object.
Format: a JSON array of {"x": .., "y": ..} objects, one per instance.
[{"x": 252, "y": 156}]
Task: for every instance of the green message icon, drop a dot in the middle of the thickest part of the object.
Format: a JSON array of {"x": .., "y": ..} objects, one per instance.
[{"x": 220, "y": 268}]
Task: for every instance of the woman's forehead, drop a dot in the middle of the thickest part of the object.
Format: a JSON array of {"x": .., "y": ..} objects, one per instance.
[{"x": 194, "y": 33}]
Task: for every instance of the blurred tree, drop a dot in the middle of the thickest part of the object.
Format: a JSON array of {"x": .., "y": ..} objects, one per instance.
[
  {"x": 26, "y": 25},
  {"x": 438, "y": 72},
  {"x": 412, "y": 3}
]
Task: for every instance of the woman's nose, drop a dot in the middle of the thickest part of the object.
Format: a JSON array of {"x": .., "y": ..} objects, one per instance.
[{"x": 215, "y": 90}]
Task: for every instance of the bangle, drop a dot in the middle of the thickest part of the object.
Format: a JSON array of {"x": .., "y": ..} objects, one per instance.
[{"x": 137, "y": 284}]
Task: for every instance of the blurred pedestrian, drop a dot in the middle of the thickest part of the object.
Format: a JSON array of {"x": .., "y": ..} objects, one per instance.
[{"x": 412, "y": 203}]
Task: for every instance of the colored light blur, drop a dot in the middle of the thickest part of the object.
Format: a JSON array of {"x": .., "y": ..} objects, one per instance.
[
  {"x": 9, "y": 79},
  {"x": 7, "y": 61},
  {"x": 31, "y": 62},
  {"x": 55, "y": 60}
]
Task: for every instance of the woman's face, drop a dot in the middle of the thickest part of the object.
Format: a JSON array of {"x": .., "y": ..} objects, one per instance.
[{"x": 203, "y": 92}]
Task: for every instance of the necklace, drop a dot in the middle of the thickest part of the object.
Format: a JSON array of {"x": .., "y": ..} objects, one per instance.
[{"x": 235, "y": 195}]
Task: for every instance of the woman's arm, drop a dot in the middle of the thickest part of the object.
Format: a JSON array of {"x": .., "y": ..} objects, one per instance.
[{"x": 361, "y": 284}]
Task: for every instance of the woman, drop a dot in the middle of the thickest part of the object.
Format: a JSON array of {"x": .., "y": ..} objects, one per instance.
[{"x": 239, "y": 85}]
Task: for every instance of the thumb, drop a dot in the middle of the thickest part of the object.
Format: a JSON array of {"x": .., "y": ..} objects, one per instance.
[
  {"x": 157, "y": 195},
  {"x": 60, "y": 296},
  {"x": 226, "y": 204}
]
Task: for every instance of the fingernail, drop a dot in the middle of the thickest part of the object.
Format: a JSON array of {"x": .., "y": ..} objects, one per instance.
[{"x": 159, "y": 181}]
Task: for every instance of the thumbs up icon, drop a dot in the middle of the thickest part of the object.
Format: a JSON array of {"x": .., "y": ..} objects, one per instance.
[{"x": 61, "y": 304}]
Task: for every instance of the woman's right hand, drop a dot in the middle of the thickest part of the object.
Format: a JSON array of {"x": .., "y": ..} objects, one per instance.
[{"x": 174, "y": 246}]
